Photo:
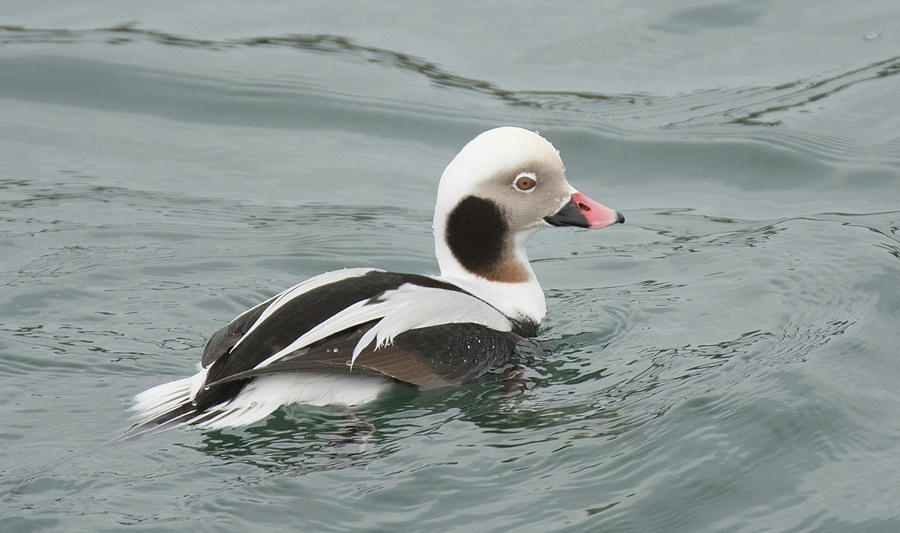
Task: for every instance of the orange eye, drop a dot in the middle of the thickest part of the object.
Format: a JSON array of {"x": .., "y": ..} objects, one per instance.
[{"x": 525, "y": 182}]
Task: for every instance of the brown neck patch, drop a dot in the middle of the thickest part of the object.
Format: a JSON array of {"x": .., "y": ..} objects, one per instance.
[{"x": 509, "y": 270}]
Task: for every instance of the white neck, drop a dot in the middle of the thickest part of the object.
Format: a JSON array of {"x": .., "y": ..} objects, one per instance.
[{"x": 517, "y": 300}]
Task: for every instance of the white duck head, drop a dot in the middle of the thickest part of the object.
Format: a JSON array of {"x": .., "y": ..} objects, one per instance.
[{"x": 501, "y": 188}]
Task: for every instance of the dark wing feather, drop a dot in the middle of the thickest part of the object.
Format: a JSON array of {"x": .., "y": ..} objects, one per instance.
[
  {"x": 431, "y": 357},
  {"x": 305, "y": 311},
  {"x": 222, "y": 340}
]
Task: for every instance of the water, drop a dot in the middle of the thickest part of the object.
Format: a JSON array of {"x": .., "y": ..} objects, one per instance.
[{"x": 725, "y": 361}]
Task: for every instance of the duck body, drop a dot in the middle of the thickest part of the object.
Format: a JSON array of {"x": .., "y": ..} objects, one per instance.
[{"x": 344, "y": 336}]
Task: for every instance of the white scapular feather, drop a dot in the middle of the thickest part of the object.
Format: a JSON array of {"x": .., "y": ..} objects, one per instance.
[
  {"x": 302, "y": 288},
  {"x": 413, "y": 307},
  {"x": 405, "y": 308}
]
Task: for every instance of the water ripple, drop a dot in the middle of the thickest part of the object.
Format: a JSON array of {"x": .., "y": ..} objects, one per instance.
[{"x": 753, "y": 107}]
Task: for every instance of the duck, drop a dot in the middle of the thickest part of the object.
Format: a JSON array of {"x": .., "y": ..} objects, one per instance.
[{"x": 344, "y": 337}]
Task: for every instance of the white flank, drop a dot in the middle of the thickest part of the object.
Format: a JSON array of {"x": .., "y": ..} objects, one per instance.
[
  {"x": 260, "y": 397},
  {"x": 265, "y": 394}
]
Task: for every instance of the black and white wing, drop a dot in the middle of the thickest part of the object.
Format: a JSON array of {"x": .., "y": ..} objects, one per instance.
[{"x": 348, "y": 323}]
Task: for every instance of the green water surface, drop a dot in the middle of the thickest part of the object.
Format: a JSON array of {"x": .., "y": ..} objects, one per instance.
[{"x": 725, "y": 361}]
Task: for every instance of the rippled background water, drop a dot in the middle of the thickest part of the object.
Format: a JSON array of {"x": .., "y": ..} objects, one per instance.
[{"x": 726, "y": 361}]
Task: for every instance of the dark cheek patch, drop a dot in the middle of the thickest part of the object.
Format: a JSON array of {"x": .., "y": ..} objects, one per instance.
[{"x": 476, "y": 232}]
